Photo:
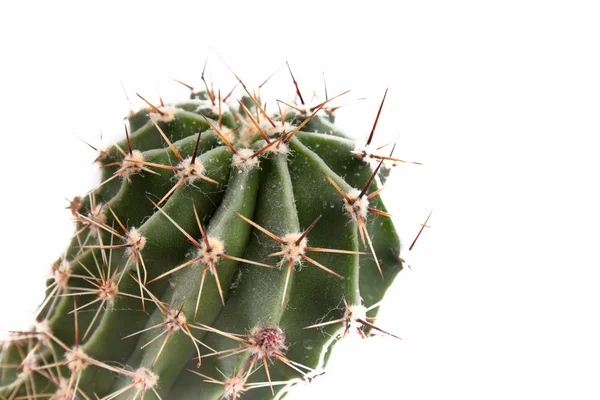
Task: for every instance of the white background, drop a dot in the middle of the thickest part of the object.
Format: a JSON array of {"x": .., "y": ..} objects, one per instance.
[{"x": 499, "y": 100}]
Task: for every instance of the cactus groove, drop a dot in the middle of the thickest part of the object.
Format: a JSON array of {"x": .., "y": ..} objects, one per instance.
[{"x": 222, "y": 255}]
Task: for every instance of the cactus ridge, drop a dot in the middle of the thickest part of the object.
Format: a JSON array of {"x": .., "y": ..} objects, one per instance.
[{"x": 222, "y": 255}]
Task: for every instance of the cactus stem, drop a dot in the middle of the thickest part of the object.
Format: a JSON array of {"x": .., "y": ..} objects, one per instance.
[{"x": 58, "y": 358}]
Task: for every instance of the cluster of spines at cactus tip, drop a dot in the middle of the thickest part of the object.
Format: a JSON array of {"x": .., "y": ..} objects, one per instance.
[{"x": 102, "y": 235}]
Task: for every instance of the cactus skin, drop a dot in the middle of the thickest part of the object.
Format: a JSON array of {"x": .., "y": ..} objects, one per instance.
[{"x": 85, "y": 343}]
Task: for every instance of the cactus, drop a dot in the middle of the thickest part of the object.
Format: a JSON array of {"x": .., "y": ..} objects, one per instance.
[{"x": 223, "y": 254}]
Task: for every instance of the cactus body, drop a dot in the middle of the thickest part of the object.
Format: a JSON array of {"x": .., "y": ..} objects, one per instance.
[{"x": 222, "y": 256}]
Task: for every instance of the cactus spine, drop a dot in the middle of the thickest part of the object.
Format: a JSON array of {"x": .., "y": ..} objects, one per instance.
[{"x": 223, "y": 254}]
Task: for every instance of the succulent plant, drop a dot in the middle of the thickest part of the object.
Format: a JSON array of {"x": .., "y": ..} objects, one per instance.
[{"x": 224, "y": 252}]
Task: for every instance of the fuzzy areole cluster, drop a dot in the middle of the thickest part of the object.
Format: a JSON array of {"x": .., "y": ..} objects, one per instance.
[
  {"x": 267, "y": 341},
  {"x": 213, "y": 186}
]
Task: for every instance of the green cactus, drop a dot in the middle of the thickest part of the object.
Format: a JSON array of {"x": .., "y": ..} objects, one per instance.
[{"x": 224, "y": 253}]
